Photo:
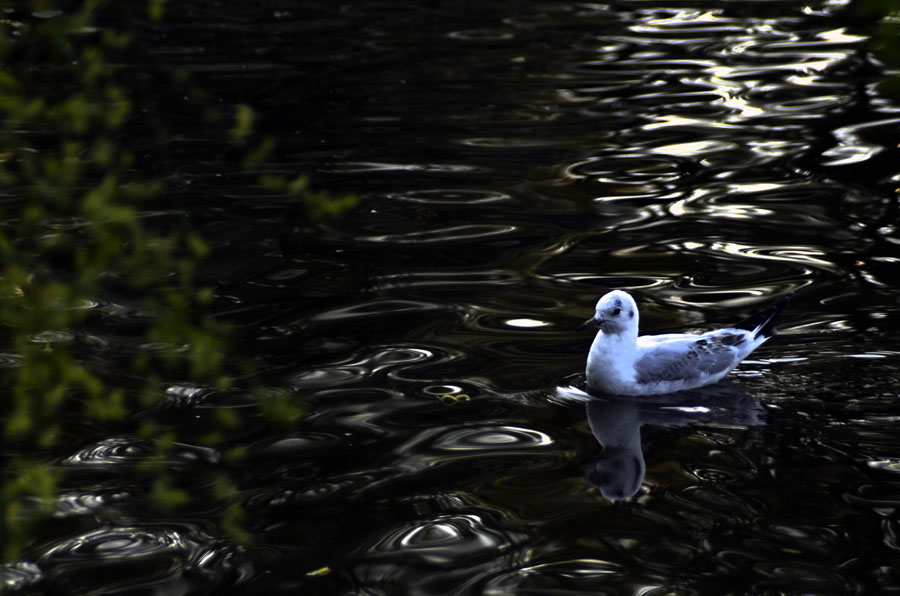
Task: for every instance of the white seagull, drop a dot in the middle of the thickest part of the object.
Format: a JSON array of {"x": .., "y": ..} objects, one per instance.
[{"x": 622, "y": 363}]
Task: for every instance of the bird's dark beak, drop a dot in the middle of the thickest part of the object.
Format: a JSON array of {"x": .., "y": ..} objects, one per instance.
[{"x": 592, "y": 322}]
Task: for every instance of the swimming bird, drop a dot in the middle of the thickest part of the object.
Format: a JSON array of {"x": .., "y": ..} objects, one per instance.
[{"x": 622, "y": 363}]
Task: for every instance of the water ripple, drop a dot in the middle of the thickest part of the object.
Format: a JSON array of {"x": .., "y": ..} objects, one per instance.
[
  {"x": 81, "y": 503},
  {"x": 10, "y": 360},
  {"x": 490, "y": 439},
  {"x": 111, "y": 543},
  {"x": 115, "y": 450},
  {"x": 486, "y": 447},
  {"x": 111, "y": 559},
  {"x": 582, "y": 574},
  {"x": 19, "y": 576},
  {"x": 110, "y": 453},
  {"x": 378, "y": 308},
  {"x": 445, "y": 540},
  {"x": 630, "y": 170},
  {"x": 443, "y": 234},
  {"x": 368, "y": 167},
  {"x": 448, "y": 280},
  {"x": 457, "y": 197}
]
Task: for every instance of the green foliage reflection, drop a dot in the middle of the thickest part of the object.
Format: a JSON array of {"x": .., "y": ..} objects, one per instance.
[
  {"x": 886, "y": 41},
  {"x": 74, "y": 231}
]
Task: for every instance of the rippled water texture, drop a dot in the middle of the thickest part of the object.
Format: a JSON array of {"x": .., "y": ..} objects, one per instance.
[{"x": 515, "y": 161}]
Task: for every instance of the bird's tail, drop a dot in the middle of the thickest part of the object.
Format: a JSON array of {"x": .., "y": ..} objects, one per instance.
[{"x": 763, "y": 322}]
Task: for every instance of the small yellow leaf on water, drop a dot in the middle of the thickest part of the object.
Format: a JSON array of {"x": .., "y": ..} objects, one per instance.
[
  {"x": 320, "y": 572},
  {"x": 448, "y": 399}
]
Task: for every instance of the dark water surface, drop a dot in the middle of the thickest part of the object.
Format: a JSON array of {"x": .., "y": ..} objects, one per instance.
[{"x": 516, "y": 161}]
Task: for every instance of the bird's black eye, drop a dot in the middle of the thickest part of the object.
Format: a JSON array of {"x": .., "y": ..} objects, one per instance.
[{"x": 616, "y": 311}]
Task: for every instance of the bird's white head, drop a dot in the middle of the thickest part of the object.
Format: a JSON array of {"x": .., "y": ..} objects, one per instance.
[{"x": 616, "y": 313}]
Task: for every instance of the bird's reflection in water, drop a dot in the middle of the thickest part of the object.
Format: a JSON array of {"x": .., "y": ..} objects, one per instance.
[
  {"x": 619, "y": 471},
  {"x": 616, "y": 424}
]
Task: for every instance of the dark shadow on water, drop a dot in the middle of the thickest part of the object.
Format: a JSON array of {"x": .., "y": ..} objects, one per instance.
[{"x": 616, "y": 423}]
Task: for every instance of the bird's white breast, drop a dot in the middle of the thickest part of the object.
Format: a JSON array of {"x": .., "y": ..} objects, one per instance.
[{"x": 610, "y": 365}]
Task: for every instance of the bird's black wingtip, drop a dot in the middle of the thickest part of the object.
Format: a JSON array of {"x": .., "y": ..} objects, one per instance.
[{"x": 763, "y": 322}]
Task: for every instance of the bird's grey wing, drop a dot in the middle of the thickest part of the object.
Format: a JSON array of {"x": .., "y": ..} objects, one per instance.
[{"x": 690, "y": 357}]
